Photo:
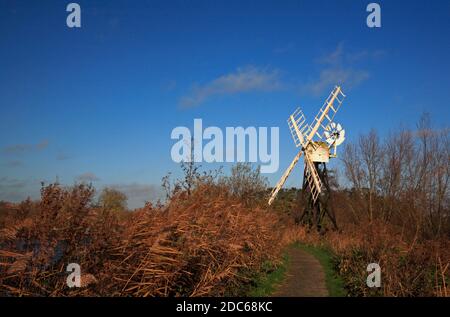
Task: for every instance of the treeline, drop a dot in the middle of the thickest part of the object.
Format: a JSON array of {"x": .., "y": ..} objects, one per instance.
[{"x": 402, "y": 179}]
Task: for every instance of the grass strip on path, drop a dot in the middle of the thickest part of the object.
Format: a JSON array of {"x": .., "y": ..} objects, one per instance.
[
  {"x": 266, "y": 283},
  {"x": 272, "y": 276}
]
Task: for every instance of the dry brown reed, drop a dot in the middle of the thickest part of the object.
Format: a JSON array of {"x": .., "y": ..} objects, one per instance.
[{"x": 202, "y": 243}]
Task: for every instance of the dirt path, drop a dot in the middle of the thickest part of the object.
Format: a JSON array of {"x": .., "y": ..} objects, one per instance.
[{"x": 305, "y": 276}]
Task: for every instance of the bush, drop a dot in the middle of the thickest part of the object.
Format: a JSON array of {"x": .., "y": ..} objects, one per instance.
[
  {"x": 246, "y": 183},
  {"x": 112, "y": 199}
]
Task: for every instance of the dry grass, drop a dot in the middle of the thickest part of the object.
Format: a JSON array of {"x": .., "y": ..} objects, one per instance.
[
  {"x": 408, "y": 267},
  {"x": 205, "y": 243}
]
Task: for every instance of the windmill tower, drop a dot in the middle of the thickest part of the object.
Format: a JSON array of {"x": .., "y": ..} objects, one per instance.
[{"x": 316, "y": 189}]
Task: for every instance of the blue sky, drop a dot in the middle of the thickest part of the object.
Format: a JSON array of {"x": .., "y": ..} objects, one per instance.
[{"x": 99, "y": 103}]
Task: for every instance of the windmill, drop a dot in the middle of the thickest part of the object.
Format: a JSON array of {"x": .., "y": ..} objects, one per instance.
[{"x": 316, "y": 153}]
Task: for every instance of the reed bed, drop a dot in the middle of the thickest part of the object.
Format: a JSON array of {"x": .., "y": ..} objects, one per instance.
[{"x": 205, "y": 243}]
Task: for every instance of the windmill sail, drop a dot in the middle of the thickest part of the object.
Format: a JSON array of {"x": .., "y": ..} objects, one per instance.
[
  {"x": 312, "y": 178},
  {"x": 283, "y": 178},
  {"x": 299, "y": 128},
  {"x": 326, "y": 113}
]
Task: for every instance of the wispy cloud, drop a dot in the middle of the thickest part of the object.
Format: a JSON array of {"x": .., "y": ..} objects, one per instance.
[
  {"x": 334, "y": 58},
  {"x": 245, "y": 79},
  {"x": 87, "y": 177},
  {"x": 341, "y": 56},
  {"x": 365, "y": 55},
  {"x": 341, "y": 68},
  {"x": 24, "y": 148},
  {"x": 329, "y": 77}
]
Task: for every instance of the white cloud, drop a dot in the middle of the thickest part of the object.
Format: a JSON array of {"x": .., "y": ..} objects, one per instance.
[
  {"x": 341, "y": 68},
  {"x": 330, "y": 77},
  {"x": 335, "y": 57},
  {"x": 245, "y": 79}
]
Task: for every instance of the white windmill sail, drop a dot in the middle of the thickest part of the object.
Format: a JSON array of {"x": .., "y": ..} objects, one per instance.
[
  {"x": 299, "y": 128},
  {"x": 283, "y": 178},
  {"x": 323, "y": 118},
  {"x": 327, "y": 112},
  {"x": 312, "y": 178},
  {"x": 302, "y": 134}
]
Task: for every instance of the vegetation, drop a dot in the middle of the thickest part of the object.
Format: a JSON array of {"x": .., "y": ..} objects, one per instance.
[
  {"x": 246, "y": 184},
  {"x": 395, "y": 212},
  {"x": 214, "y": 235},
  {"x": 203, "y": 241},
  {"x": 269, "y": 278},
  {"x": 112, "y": 199}
]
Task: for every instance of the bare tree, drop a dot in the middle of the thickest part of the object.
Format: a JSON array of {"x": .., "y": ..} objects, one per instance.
[
  {"x": 404, "y": 179},
  {"x": 246, "y": 183},
  {"x": 372, "y": 158},
  {"x": 399, "y": 149},
  {"x": 352, "y": 164}
]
